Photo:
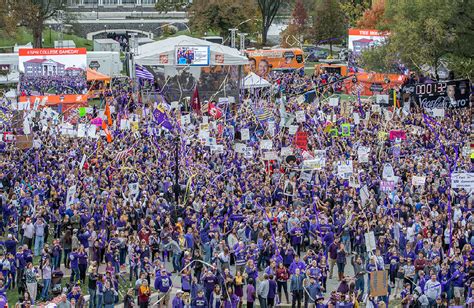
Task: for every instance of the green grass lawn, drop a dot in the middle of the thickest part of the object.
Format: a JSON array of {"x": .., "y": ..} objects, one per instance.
[{"x": 23, "y": 36}]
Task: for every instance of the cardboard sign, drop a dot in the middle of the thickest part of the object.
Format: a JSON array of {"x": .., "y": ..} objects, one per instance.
[
  {"x": 364, "y": 195},
  {"x": 346, "y": 130},
  {"x": 245, "y": 134},
  {"x": 363, "y": 154},
  {"x": 23, "y": 142},
  {"x": 400, "y": 134},
  {"x": 293, "y": 129},
  {"x": 266, "y": 144},
  {"x": 333, "y": 101},
  {"x": 382, "y": 100},
  {"x": 83, "y": 161},
  {"x": 91, "y": 132},
  {"x": 300, "y": 116},
  {"x": 271, "y": 155},
  {"x": 286, "y": 151},
  {"x": 313, "y": 164},
  {"x": 217, "y": 148},
  {"x": 356, "y": 117},
  {"x": 387, "y": 171},
  {"x": 418, "y": 180},
  {"x": 248, "y": 152},
  {"x": 239, "y": 147},
  {"x": 271, "y": 128},
  {"x": 301, "y": 140},
  {"x": 70, "y": 195},
  {"x": 305, "y": 176},
  {"x": 370, "y": 241},
  {"x": 387, "y": 186},
  {"x": 185, "y": 119},
  {"x": 345, "y": 169},
  {"x": 378, "y": 283},
  {"x": 81, "y": 130},
  {"x": 462, "y": 180}
]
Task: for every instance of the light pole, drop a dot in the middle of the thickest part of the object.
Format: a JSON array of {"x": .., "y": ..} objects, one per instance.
[{"x": 233, "y": 32}]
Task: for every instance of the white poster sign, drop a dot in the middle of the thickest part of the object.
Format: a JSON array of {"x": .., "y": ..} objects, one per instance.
[
  {"x": 300, "y": 116},
  {"x": 293, "y": 129},
  {"x": 271, "y": 155},
  {"x": 333, "y": 101},
  {"x": 356, "y": 117},
  {"x": 239, "y": 147},
  {"x": 438, "y": 112},
  {"x": 345, "y": 169},
  {"x": 363, "y": 154},
  {"x": 463, "y": 180},
  {"x": 70, "y": 195},
  {"x": 185, "y": 119},
  {"x": 266, "y": 144},
  {"x": 387, "y": 172},
  {"x": 285, "y": 151},
  {"x": 418, "y": 180},
  {"x": 81, "y": 130},
  {"x": 245, "y": 134},
  {"x": 370, "y": 241}
]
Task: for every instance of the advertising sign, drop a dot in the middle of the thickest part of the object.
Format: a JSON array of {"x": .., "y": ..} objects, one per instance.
[
  {"x": 439, "y": 95},
  {"x": 53, "y": 74},
  {"x": 192, "y": 55},
  {"x": 361, "y": 39}
]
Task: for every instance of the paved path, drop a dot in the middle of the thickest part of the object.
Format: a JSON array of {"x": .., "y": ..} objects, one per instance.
[{"x": 332, "y": 284}]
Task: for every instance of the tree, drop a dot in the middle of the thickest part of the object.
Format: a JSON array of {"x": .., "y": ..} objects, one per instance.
[
  {"x": 221, "y": 15},
  {"x": 328, "y": 22},
  {"x": 373, "y": 16},
  {"x": 171, "y": 5},
  {"x": 298, "y": 27},
  {"x": 379, "y": 59},
  {"x": 353, "y": 10},
  {"x": 428, "y": 32},
  {"x": 268, "y": 10},
  {"x": 7, "y": 21},
  {"x": 33, "y": 13}
]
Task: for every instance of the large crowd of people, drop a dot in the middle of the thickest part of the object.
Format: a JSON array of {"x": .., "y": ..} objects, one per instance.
[
  {"x": 90, "y": 223},
  {"x": 47, "y": 85}
]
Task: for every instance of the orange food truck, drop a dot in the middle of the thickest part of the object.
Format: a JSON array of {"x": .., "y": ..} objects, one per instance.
[
  {"x": 374, "y": 83},
  {"x": 262, "y": 61}
]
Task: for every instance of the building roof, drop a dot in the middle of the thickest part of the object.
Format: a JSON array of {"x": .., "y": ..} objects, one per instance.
[
  {"x": 35, "y": 61},
  {"x": 364, "y": 40}
]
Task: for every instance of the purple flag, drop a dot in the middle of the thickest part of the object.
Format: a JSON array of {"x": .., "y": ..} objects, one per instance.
[{"x": 162, "y": 119}]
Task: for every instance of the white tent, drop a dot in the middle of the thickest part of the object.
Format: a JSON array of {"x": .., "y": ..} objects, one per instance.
[
  {"x": 252, "y": 81},
  {"x": 164, "y": 52}
]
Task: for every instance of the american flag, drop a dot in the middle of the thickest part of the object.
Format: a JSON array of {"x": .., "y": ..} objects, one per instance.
[
  {"x": 124, "y": 154},
  {"x": 143, "y": 73}
]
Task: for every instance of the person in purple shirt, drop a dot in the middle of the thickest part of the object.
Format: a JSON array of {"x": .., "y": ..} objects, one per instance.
[
  {"x": 251, "y": 293},
  {"x": 178, "y": 301},
  {"x": 75, "y": 274},
  {"x": 297, "y": 238},
  {"x": 272, "y": 289},
  {"x": 297, "y": 264},
  {"x": 332, "y": 255},
  {"x": 209, "y": 280}
]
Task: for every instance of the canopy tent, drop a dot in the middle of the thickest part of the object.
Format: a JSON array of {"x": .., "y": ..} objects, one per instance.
[
  {"x": 164, "y": 52},
  {"x": 95, "y": 75},
  {"x": 252, "y": 81}
]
